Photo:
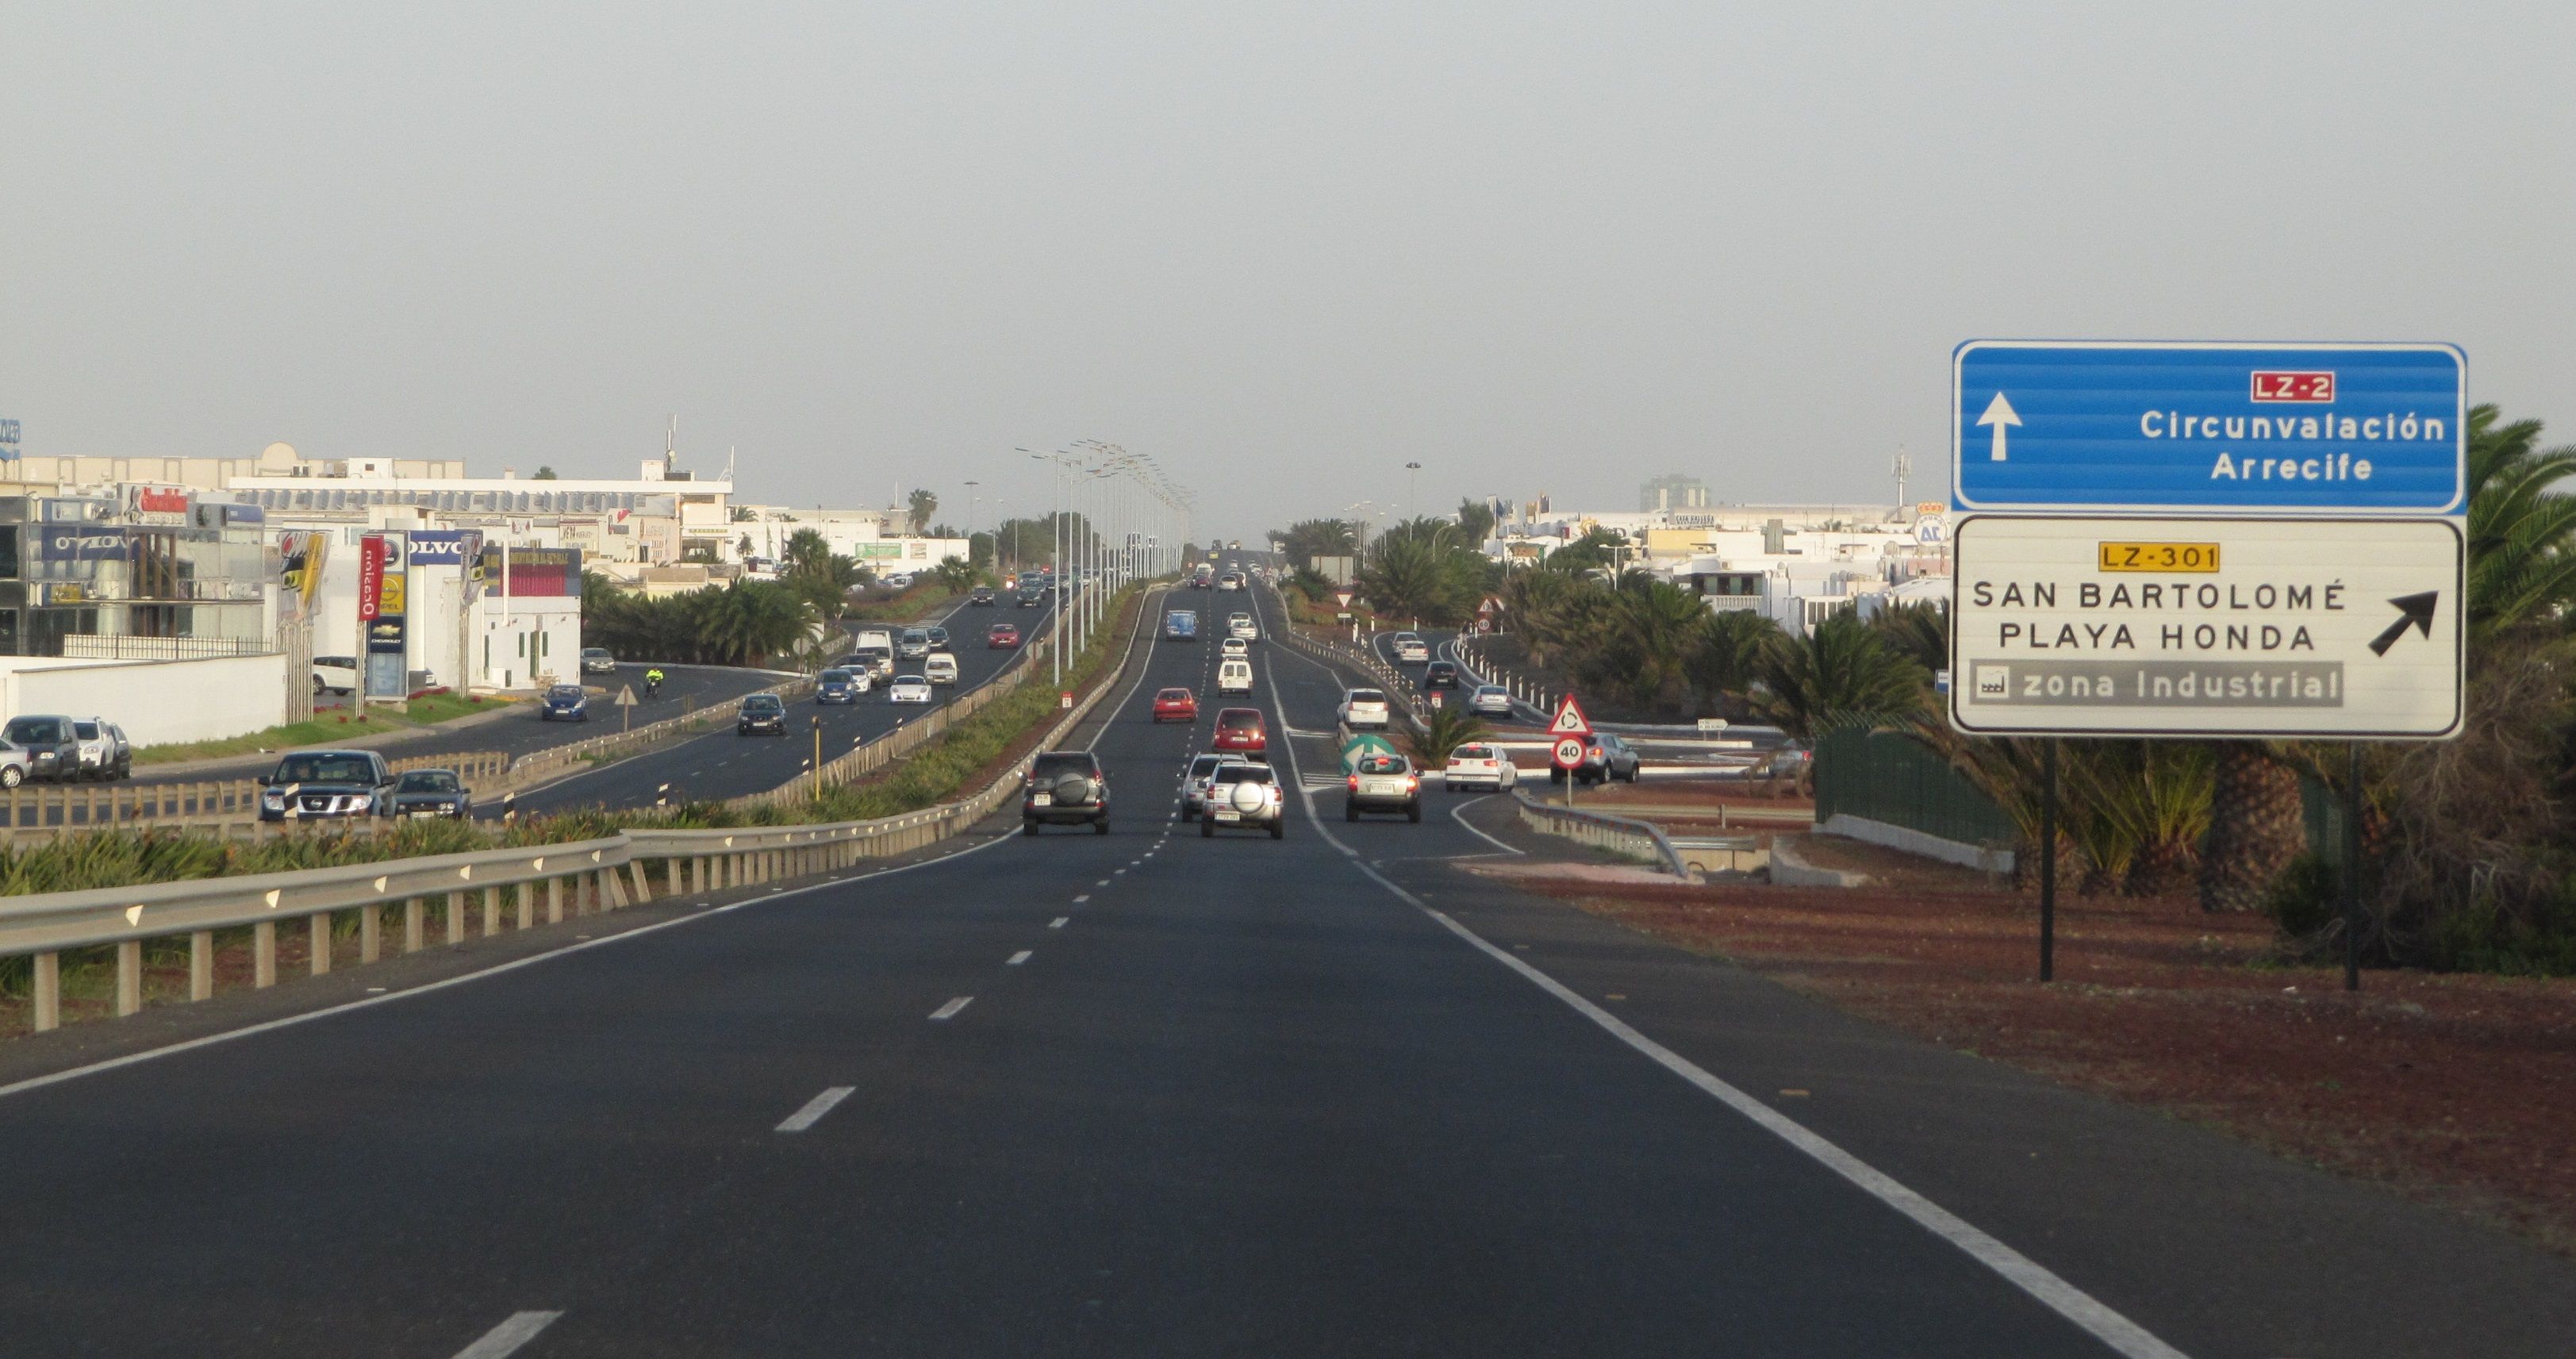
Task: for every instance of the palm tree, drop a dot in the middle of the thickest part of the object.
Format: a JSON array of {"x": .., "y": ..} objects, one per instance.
[
  {"x": 2522, "y": 535},
  {"x": 924, "y": 505},
  {"x": 1841, "y": 672},
  {"x": 1661, "y": 625},
  {"x": 749, "y": 621},
  {"x": 1920, "y": 630},
  {"x": 1726, "y": 656},
  {"x": 1442, "y": 732},
  {"x": 1417, "y": 576}
]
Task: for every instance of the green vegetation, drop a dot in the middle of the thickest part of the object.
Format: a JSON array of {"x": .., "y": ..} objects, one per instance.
[{"x": 325, "y": 729}]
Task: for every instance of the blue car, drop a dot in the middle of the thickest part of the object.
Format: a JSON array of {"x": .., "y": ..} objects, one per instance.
[
  {"x": 1180, "y": 625},
  {"x": 839, "y": 686},
  {"x": 564, "y": 703}
]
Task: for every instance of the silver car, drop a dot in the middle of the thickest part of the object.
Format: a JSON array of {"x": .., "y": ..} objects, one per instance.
[
  {"x": 1194, "y": 785},
  {"x": 1242, "y": 794},
  {"x": 1491, "y": 700},
  {"x": 16, "y": 765}
]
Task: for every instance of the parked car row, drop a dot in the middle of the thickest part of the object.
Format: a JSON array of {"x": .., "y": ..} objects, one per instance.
[{"x": 59, "y": 749}]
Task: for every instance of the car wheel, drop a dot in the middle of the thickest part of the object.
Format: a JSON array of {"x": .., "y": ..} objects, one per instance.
[
  {"x": 1350, "y": 811},
  {"x": 1100, "y": 827},
  {"x": 1029, "y": 826},
  {"x": 1413, "y": 813},
  {"x": 1207, "y": 830},
  {"x": 1279, "y": 829},
  {"x": 11, "y": 776}
]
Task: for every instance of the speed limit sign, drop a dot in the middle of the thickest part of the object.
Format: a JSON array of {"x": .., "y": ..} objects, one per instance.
[{"x": 1569, "y": 752}]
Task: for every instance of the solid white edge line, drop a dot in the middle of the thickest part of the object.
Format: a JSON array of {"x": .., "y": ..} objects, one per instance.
[
  {"x": 2095, "y": 1318},
  {"x": 1458, "y": 814},
  {"x": 506, "y": 1338},
  {"x": 955, "y": 1004},
  {"x": 815, "y": 1108},
  {"x": 497, "y": 969}
]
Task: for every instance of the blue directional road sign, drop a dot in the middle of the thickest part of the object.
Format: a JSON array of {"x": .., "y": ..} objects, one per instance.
[{"x": 2340, "y": 429}]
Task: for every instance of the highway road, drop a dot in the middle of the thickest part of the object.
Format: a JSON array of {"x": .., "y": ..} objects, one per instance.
[
  {"x": 720, "y": 764},
  {"x": 1151, "y": 1094}
]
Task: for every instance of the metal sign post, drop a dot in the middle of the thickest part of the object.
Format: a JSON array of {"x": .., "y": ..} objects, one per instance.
[{"x": 2213, "y": 540}]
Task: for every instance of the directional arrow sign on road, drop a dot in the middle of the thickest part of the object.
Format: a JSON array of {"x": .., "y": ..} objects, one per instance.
[
  {"x": 2205, "y": 627},
  {"x": 1569, "y": 719},
  {"x": 2118, "y": 427}
]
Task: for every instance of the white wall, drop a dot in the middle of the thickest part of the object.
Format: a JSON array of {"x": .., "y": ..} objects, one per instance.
[
  {"x": 534, "y": 640},
  {"x": 155, "y": 701}
]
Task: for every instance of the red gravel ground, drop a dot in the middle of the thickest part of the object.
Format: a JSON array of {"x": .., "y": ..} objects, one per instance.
[{"x": 2454, "y": 1089}]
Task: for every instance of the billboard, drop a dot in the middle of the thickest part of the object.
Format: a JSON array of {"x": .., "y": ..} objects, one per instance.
[
  {"x": 80, "y": 543},
  {"x": 371, "y": 577}
]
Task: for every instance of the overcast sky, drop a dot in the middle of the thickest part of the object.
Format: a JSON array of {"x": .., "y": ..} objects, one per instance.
[{"x": 1284, "y": 248}]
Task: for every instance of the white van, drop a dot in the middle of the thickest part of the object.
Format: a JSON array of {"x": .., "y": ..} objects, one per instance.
[
  {"x": 939, "y": 667},
  {"x": 1234, "y": 676}
]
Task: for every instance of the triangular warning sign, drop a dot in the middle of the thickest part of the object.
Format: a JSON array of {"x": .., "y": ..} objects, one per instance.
[{"x": 1569, "y": 720}]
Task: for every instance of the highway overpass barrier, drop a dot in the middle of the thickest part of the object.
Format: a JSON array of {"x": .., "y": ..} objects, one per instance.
[
  {"x": 504, "y": 887},
  {"x": 1618, "y": 834}
]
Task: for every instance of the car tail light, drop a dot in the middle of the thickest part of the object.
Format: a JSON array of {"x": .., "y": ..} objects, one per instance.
[
  {"x": 1412, "y": 784},
  {"x": 1355, "y": 783}
]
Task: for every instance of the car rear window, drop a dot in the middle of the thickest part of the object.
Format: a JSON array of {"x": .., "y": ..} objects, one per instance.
[
  {"x": 88, "y": 730},
  {"x": 1205, "y": 765},
  {"x": 427, "y": 781},
  {"x": 1239, "y": 719},
  {"x": 1244, "y": 773},
  {"x": 1063, "y": 764},
  {"x": 1368, "y": 696},
  {"x": 23, "y": 730},
  {"x": 1174, "y": 694},
  {"x": 1472, "y": 753},
  {"x": 1382, "y": 764}
]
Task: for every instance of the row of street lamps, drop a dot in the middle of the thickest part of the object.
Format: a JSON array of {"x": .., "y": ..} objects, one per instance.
[{"x": 1117, "y": 519}]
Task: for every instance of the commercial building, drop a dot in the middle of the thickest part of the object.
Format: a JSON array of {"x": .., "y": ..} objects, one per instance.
[{"x": 1673, "y": 491}]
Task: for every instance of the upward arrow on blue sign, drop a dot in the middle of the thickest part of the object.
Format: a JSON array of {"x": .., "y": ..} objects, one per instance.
[{"x": 2095, "y": 427}]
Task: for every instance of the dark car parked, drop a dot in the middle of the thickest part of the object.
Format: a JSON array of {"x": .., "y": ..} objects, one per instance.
[
  {"x": 564, "y": 703},
  {"x": 52, "y": 744},
  {"x": 762, "y": 714},
  {"x": 432, "y": 792},
  {"x": 312, "y": 785},
  {"x": 1065, "y": 787}
]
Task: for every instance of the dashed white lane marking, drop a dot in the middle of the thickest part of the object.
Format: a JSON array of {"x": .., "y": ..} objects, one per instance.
[
  {"x": 1018, "y": 958},
  {"x": 1104, "y": 882},
  {"x": 1081, "y": 899},
  {"x": 1059, "y": 922},
  {"x": 949, "y": 1010},
  {"x": 815, "y": 1108},
  {"x": 1116, "y": 872},
  {"x": 507, "y": 1337}
]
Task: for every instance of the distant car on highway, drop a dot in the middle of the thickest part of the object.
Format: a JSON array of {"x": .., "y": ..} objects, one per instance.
[
  {"x": 1491, "y": 700},
  {"x": 1180, "y": 625},
  {"x": 1234, "y": 646},
  {"x": 595, "y": 660},
  {"x": 938, "y": 638},
  {"x": 1383, "y": 783},
  {"x": 1241, "y": 625},
  {"x": 1411, "y": 650},
  {"x": 315, "y": 785},
  {"x": 876, "y": 662},
  {"x": 1243, "y": 794},
  {"x": 1440, "y": 675},
  {"x": 1194, "y": 784},
  {"x": 912, "y": 645},
  {"x": 1605, "y": 758},
  {"x": 761, "y": 715},
  {"x": 564, "y": 703},
  {"x": 981, "y": 597},
  {"x": 1065, "y": 787},
  {"x": 1234, "y": 676},
  {"x": 1001, "y": 637},
  {"x": 908, "y": 689},
  {"x": 1032, "y": 597},
  {"x": 1363, "y": 710},
  {"x": 1176, "y": 705},
  {"x": 940, "y": 667},
  {"x": 840, "y": 686},
  {"x": 1239, "y": 731},
  {"x": 1478, "y": 765},
  {"x": 432, "y": 793},
  {"x": 1231, "y": 580}
]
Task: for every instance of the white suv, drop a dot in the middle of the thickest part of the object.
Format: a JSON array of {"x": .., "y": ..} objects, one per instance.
[
  {"x": 1363, "y": 710},
  {"x": 1243, "y": 795}
]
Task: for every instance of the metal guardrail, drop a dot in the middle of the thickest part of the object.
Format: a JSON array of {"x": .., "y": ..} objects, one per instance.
[
  {"x": 1637, "y": 839},
  {"x": 230, "y": 806},
  {"x": 583, "y": 876}
]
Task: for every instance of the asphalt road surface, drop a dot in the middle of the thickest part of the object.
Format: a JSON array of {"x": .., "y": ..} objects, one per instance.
[
  {"x": 720, "y": 764},
  {"x": 1151, "y": 1094}
]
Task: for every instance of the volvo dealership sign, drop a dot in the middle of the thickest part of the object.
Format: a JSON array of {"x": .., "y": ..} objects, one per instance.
[
  {"x": 2208, "y": 539},
  {"x": 2042, "y": 426}
]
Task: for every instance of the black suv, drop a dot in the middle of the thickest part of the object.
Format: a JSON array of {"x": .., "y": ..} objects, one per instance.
[
  {"x": 1440, "y": 675},
  {"x": 1066, "y": 787},
  {"x": 980, "y": 597},
  {"x": 313, "y": 785},
  {"x": 52, "y": 745},
  {"x": 763, "y": 713}
]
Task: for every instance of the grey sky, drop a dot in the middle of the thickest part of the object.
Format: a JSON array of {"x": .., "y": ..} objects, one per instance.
[{"x": 1285, "y": 248}]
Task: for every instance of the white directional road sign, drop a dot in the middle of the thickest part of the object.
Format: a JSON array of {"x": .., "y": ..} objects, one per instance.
[{"x": 2344, "y": 628}]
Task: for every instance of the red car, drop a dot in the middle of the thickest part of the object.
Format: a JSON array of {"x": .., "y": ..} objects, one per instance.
[
  {"x": 1240, "y": 730},
  {"x": 1176, "y": 705},
  {"x": 1001, "y": 637}
]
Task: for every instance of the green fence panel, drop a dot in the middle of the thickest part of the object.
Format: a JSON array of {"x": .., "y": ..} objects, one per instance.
[{"x": 1895, "y": 779}]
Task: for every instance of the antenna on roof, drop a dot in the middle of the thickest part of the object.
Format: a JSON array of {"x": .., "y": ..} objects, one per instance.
[
  {"x": 1903, "y": 467},
  {"x": 671, "y": 443}
]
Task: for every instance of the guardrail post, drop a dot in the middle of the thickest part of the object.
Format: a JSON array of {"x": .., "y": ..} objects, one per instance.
[
  {"x": 643, "y": 883},
  {"x": 320, "y": 930},
  {"x": 415, "y": 925},
  {"x": 455, "y": 918},
  {"x": 671, "y": 876},
  {"x": 554, "y": 901},
  {"x": 371, "y": 932},
  {"x": 698, "y": 874},
  {"x": 263, "y": 954},
  {"x": 48, "y": 989},
  {"x": 527, "y": 895},
  {"x": 491, "y": 911},
  {"x": 129, "y": 976},
  {"x": 201, "y": 965}
]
